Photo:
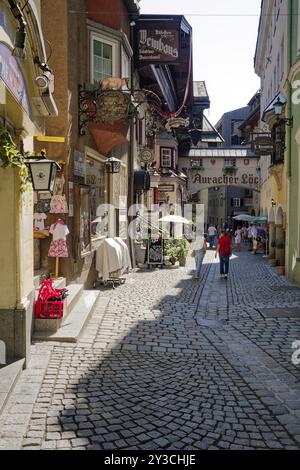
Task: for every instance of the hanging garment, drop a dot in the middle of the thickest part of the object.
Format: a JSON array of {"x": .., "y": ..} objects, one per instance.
[
  {"x": 43, "y": 205},
  {"x": 109, "y": 258},
  {"x": 39, "y": 218},
  {"x": 58, "y": 188},
  {"x": 58, "y": 205},
  {"x": 58, "y": 246},
  {"x": 126, "y": 262}
]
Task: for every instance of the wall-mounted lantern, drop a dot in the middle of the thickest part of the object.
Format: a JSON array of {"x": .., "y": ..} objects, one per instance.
[
  {"x": 42, "y": 172},
  {"x": 113, "y": 165},
  {"x": 278, "y": 109}
]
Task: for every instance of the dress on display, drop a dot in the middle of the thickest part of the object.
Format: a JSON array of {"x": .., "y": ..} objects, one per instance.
[{"x": 58, "y": 246}]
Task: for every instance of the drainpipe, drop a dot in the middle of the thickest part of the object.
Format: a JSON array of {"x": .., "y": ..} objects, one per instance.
[
  {"x": 289, "y": 98},
  {"x": 130, "y": 196}
]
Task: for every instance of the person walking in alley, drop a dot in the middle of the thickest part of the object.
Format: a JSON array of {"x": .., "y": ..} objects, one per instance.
[
  {"x": 238, "y": 238},
  {"x": 224, "y": 249},
  {"x": 212, "y": 232},
  {"x": 199, "y": 250}
]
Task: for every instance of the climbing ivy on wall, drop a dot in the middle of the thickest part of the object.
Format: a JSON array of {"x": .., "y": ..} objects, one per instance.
[{"x": 11, "y": 157}]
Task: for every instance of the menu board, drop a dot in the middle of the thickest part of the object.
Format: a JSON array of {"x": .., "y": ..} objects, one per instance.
[{"x": 155, "y": 251}]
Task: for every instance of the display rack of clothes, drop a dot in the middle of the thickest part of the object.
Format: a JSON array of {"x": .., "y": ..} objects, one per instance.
[{"x": 112, "y": 261}]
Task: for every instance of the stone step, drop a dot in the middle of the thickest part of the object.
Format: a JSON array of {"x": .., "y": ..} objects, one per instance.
[
  {"x": 72, "y": 325},
  {"x": 9, "y": 375},
  {"x": 74, "y": 293},
  {"x": 51, "y": 326}
]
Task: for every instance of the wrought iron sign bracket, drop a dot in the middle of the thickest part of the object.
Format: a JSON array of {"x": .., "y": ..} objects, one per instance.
[{"x": 96, "y": 106}]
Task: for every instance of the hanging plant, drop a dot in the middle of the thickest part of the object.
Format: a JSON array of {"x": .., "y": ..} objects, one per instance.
[{"x": 11, "y": 157}]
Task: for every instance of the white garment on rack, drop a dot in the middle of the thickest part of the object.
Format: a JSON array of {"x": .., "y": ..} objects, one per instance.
[
  {"x": 125, "y": 253},
  {"x": 109, "y": 258}
]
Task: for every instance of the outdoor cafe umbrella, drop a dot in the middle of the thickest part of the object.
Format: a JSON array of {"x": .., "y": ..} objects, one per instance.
[
  {"x": 262, "y": 219},
  {"x": 174, "y": 219},
  {"x": 244, "y": 217}
]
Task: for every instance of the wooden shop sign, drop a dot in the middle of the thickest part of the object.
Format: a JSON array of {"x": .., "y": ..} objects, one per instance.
[
  {"x": 262, "y": 144},
  {"x": 113, "y": 105},
  {"x": 157, "y": 42}
]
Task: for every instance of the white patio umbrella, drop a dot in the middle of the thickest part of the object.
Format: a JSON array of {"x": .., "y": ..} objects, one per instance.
[{"x": 175, "y": 219}]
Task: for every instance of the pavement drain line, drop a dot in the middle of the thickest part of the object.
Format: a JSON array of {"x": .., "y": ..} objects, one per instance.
[{"x": 263, "y": 368}]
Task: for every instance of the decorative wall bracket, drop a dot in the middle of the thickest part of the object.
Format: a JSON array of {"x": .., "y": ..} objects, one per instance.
[{"x": 111, "y": 105}]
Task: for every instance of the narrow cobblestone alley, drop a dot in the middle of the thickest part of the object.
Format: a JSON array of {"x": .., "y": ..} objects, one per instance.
[{"x": 167, "y": 363}]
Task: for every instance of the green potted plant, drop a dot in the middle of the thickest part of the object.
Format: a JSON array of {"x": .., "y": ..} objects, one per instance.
[
  {"x": 182, "y": 251},
  {"x": 176, "y": 250}
]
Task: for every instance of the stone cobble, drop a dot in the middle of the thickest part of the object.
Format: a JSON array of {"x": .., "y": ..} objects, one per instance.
[{"x": 173, "y": 364}]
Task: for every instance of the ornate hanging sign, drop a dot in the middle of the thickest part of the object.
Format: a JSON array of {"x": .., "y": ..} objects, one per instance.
[
  {"x": 113, "y": 105},
  {"x": 174, "y": 123},
  {"x": 146, "y": 155}
]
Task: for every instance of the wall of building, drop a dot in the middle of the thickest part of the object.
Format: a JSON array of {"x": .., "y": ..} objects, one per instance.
[
  {"x": 229, "y": 123},
  {"x": 106, "y": 14},
  {"x": 293, "y": 148},
  {"x": 271, "y": 64}
]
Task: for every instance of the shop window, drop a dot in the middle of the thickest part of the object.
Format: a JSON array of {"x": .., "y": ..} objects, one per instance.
[
  {"x": 103, "y": 58},
  {"x": 85, "y": 221},
  {"x": 166, "y": 157},
  {"x": 96, "y": 180}
]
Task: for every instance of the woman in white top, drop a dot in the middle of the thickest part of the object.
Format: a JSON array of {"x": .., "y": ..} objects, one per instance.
[{"x": 238, "y": 238}]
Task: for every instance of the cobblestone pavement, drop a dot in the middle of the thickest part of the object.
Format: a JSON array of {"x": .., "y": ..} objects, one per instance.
[{"x": 170, "y": 364}]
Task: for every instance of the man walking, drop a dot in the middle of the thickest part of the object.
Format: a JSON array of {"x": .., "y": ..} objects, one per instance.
[
  {"x": 212, "y": 232},
  {"x": 224, "y": 249}
]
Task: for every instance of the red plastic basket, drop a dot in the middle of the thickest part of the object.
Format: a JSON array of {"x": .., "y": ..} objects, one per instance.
[{"x": 49, "y": 309}]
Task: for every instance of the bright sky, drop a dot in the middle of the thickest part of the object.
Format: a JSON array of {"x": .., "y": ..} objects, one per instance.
[{"x": 224, "y": 40}]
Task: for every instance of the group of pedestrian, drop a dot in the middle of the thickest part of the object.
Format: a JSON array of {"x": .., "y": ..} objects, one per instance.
[
  {"x": 223, "y": 250},
  {"x": 221, "y": 239}
]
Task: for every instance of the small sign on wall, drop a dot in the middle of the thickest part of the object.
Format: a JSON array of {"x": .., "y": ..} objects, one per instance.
[
  {"x": 71, "y": 199},
  {"x": 79, "y": 164}
]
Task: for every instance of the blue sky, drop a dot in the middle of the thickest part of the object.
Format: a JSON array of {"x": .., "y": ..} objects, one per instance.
[{"x": 224, "y": 40}]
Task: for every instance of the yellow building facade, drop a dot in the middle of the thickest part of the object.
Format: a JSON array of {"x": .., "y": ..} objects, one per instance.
[{"x": 23, "y": 109}]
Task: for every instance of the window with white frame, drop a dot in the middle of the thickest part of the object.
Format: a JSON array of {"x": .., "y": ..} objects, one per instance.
[
  {"x": 229, "y": 162},
  {"x": 236, "y": 202},
  {"x": 197, "y": 163},
  {"x": 103, "y": 58},
  {"x": 125, "y": 66},
  {"x": 166, "y": 156}
]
